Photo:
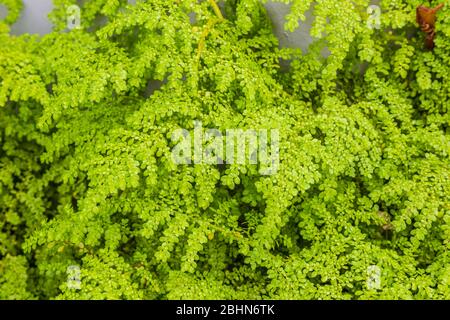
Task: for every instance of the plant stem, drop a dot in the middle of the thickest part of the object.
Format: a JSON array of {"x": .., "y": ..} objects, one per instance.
[
  {"x": 216, "y": 9},
  {"x": 204, "y": 35}
]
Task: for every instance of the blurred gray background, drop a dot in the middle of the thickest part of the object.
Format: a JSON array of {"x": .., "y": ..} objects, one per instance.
[{"x": 33, "y": 19}]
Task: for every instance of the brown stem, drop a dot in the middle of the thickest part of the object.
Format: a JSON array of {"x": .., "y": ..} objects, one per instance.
[{"x": 437, "y": 8}]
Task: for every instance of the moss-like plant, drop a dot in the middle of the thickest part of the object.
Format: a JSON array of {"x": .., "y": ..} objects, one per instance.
[{"x": 87, "y": 177}]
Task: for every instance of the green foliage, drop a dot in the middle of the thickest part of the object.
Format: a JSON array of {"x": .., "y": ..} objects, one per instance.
[
  {"x": 87, "y": 177},
  {"x": 14, "y": 7}
]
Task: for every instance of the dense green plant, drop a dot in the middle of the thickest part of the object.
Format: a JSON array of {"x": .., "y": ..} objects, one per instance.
[{"x": 86, "y": 176}]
